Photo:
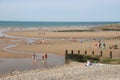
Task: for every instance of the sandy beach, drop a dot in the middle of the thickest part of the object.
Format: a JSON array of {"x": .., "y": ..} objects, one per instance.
[
  {"x": 6, "y": 54},
  {"x": 21, "y": 44},
  {"x": 58, "y": 42},
  {"x": 62, "y": 35}
]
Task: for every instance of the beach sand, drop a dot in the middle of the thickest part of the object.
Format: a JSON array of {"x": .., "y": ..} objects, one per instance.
[
  {"x": 58, "y": 42},
  {"x": 36, "y": 34},
  {"x": 5, "y": 54}
]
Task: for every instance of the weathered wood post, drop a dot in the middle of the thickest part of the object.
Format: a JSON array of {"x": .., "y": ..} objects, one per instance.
[
  {"x": 92, "y": 52},
  {"x": 85, "y": 52},
  {"x": 71, "y": 51},
  {"x": 78, "y": 52},
  {"x": 101, "y": 53},
  {"x": 111, "y": 54},
  {"x": 66, "y": 54},
  {"x": 67, "y": 57},
  {"x": 72, "y": 54}
]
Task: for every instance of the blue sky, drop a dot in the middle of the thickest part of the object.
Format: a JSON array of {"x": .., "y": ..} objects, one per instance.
[{"x": 59, "y": 10}]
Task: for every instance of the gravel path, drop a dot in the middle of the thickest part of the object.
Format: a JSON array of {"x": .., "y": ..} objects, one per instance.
[{"x": 72, "y": 71}]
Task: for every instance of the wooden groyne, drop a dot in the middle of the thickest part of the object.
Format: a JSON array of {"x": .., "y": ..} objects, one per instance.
[{"x": 80, "y": 57}]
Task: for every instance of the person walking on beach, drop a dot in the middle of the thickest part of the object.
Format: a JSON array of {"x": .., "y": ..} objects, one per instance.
[
  {"x": 99, "y": 44},
  {"x": 46, "y": 56},
  {"x": 33, "y": 58},
  {"x": 43, "y": 58}
]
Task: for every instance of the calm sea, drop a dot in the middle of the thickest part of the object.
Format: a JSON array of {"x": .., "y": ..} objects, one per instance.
[{"x": 51, "y": 24}]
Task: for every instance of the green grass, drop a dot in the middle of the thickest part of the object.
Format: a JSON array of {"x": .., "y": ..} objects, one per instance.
[
  {"x": 110, "y": 61},
  {"x": 93, "y": 58}
]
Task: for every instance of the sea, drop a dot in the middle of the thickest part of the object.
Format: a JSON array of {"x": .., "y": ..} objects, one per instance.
[{"x": 28, "y": 24}]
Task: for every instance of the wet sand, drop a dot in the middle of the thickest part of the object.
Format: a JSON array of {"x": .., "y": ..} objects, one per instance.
[
  {"x": 6, "y": 54},
  {"x": 58, "y": 42}
]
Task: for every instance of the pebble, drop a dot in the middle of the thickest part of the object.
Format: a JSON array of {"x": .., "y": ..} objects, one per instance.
[{"x": 72, "y": 71}]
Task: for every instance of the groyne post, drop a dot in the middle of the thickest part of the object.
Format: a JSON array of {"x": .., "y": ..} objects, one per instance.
[
  {"x": 101, "y": 53},
  {"x": 71, "y": 56},
  {"x": 111, "y": 54},
  {"x": 92, "y": 52},
  {"x": 85, "y": 52},
  {"x": 71, "y": 51},
  {"x": 78, "y": 52},
  {"x": 66, "y": 54}
]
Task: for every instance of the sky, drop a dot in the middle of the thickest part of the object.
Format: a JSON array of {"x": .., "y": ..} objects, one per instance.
[{"x": 59, "y": 10}]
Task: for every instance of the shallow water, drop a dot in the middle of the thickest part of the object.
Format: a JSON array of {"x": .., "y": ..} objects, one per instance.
[{"x": 9, "y": 65}]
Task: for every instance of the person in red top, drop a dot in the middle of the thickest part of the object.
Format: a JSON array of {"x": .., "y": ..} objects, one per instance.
[
  {"x": 33, "y": 58},
  {"x": 42, "y": 57},
  {"x": 46, "y": 56}
]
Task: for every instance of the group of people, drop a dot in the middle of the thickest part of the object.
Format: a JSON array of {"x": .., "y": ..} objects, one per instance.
[
  {"x": 100, "y": 44},
  {"x": 43, "y": 57},
  {"x": 89, "y": 63}
]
